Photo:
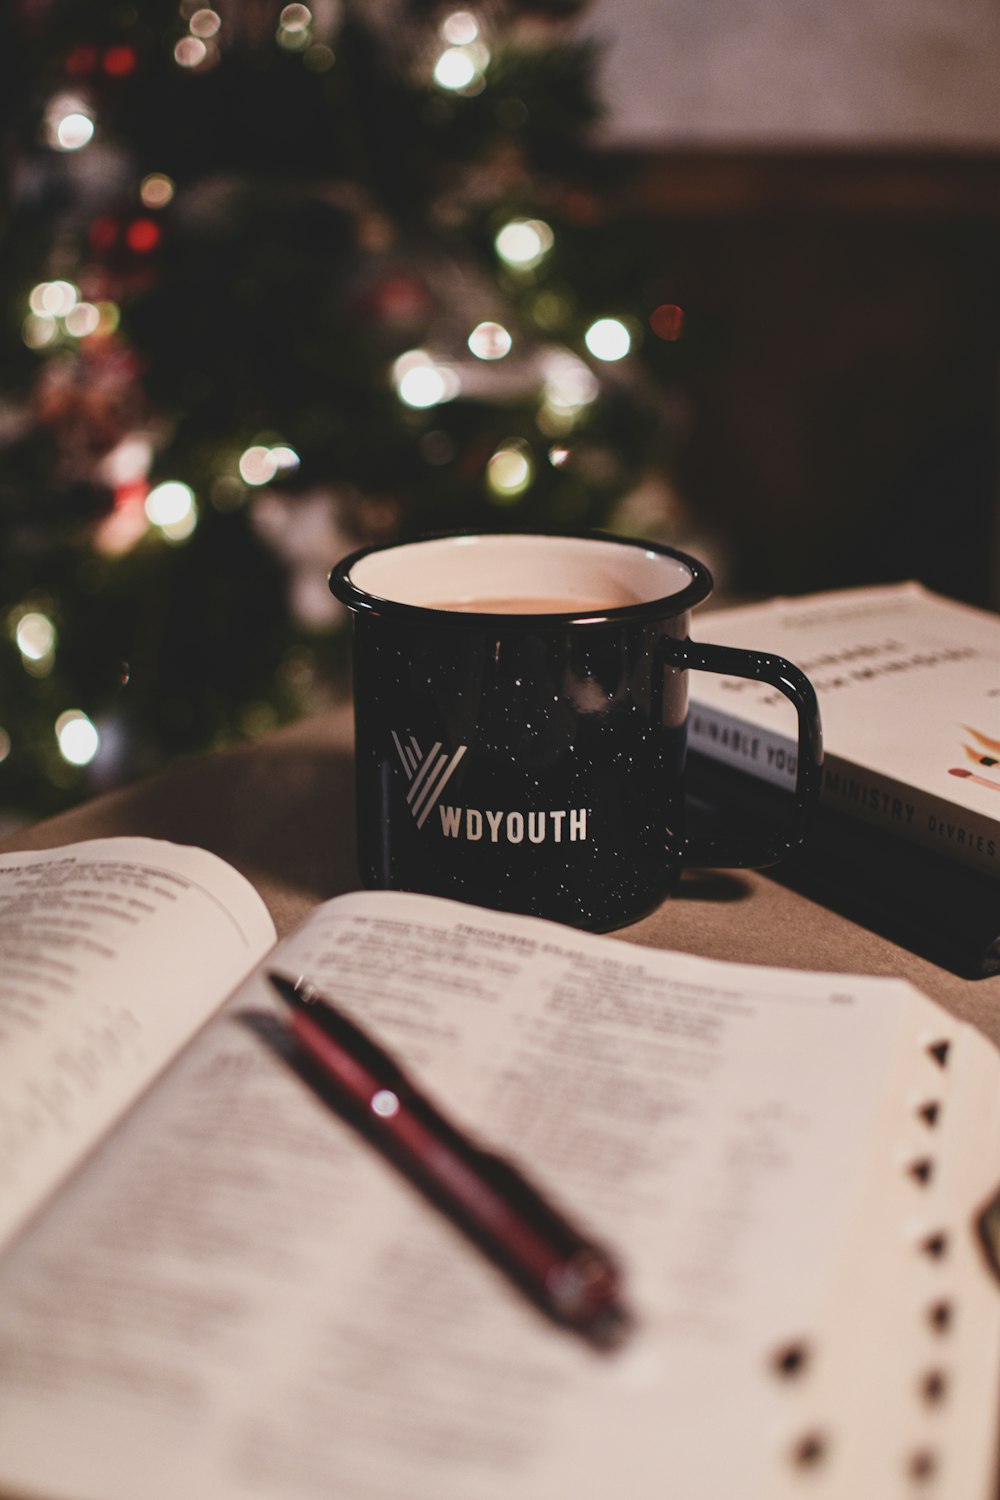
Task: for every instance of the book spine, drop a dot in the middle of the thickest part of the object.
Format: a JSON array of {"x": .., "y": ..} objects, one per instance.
[{"x": 932, "y": 822}]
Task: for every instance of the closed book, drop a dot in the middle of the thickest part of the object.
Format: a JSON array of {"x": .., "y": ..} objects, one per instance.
[
  {"x": 909, "y": 689},
  {"x": 947, "y": 912}
]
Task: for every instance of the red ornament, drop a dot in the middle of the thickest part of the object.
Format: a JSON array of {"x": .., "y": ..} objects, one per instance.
[
  {"x": 667, "y": 322},
  {"x": 142, "y": 235},
  {"x": 119, "y": 61}
]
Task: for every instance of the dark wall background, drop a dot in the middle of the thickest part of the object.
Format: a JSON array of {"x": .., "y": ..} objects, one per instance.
[{"x": 840, "y": 382}]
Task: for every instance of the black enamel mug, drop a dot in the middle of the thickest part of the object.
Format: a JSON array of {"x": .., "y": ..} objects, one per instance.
[{"x": 521, "y": 722}]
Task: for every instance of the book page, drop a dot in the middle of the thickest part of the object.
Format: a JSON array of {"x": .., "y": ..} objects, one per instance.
[
  {"x": 238, "y": 1298},
  {"x": 112, "y": 953}
]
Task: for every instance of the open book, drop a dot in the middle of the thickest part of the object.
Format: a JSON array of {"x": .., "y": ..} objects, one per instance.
[{"x": 211, "y": 1287}]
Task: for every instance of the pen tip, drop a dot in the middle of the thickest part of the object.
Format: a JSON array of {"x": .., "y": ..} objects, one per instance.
[{"x": 609, "y": 1328}]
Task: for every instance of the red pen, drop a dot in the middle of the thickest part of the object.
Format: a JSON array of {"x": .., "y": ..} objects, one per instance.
[{"x": 573, "y": 1280}]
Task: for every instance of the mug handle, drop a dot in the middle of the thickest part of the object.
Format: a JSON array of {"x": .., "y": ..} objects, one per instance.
[{"x": 755, "y": 851}]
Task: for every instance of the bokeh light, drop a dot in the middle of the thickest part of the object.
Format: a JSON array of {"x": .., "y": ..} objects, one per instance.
[
  {"x": 454, "y": 69},
  {"x": 35, "y": 636},
  {"x": 204, "y": 23},
  {"x": 421, "y": 382},
  {"x": 69, "y": 125},
  {"x": 294, "y": 28},
  {"x": 570, "y": 385},
  {"x": 190, "y": 52},
  {"x": 490, "y": 341},
  {"x": 510, "y": 470},
  {"x": 156, "y": 190},
  {"x": 82, "y": 320},
  {"x": 296, "y": 18},
  {"x": 608, "y": 339},
  {"x": 142, "y": 235},
  {"x": 38, "y": 330},
  {"x": 119, "y": 61},
  {"x": 55, "y": 298},
  {"x": 171, "y": 507},
  {"x": 667, "y": 321},
  {"x": 260, "y": 462},
  {"x": 77, "y": 737},
  {"x": 110, "y": 315},
  {"x": 524, "y": 243},
  {"x": 460, "y": 28}
]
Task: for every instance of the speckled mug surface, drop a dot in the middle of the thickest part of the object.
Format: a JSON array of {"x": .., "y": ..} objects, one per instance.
[{"x": 521, "y": 722}]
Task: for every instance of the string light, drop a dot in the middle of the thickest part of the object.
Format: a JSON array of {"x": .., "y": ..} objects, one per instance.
[
  {"x": 423, "y": 387},
  {"x": 54, "y": 298},
  {"x": 460, "y": 28},
  {"x": 259, "y": 463},
  {"x": 77, "y": 737},
  {"x": 190, "y": 52},
  {"x": 49, "y": 302},
  {"x": 39, "y": 330},
  {"x": 168, "y": 502},
  {"x": 82, "y": 320},
  {"x": 156, "y": 190},
  {"x": 142, "y": 236},
  {"x": 524, "y": 243},
  {"x": 172, "y": 508},
  {"x": 119, "y": 62},
  {"x": 110, "y": 316},
  {"x": 490, "y": 341},
  {"x": 510, "y": 470},
  {"x": 35, "y": 638},
  {"x": 179, "y": 531},
  {"x": 294, "y": 28},
  {"x": 462, "y": 64},
  {"x": 454, "y": 69},
  {"x": 570, "y": 385},
  {"x": 69, "y": 125},
  {"x": 284, "y": 457},
  {"x": 667, "y": 321},
  {"x": 608, "y": 339},
  {"x": 422, "y": 383},
  {"x": 204, "y": 23}
]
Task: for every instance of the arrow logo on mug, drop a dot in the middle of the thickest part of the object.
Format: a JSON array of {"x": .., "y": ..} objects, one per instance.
[{"x": 427, "y": 774}]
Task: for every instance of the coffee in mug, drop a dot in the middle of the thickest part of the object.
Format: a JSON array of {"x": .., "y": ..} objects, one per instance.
[{"x": 521, "y": 722}]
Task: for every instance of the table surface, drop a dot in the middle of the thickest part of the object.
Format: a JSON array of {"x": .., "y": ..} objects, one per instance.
[{"x": 282, "y": 811}]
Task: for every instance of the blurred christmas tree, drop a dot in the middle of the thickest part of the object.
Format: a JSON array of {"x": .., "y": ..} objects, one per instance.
[{"x": 282, "y": 281}]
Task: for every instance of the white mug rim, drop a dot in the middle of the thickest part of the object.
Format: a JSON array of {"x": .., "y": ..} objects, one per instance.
[{"x": 692, "y": 579}]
